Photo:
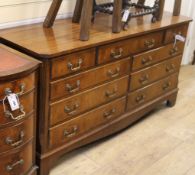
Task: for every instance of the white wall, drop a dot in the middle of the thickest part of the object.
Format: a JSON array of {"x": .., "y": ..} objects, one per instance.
[{"x": 19, "y": 12}]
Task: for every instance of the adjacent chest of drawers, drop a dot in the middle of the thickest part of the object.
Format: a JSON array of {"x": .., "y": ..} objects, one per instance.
[
  {"x": 17, "y": 127},
  {"x": 92, "y": 89}
]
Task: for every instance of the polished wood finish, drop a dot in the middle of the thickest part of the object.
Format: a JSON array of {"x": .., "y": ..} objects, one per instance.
[
  {"x": 84, "y": 80},
  {"x": 73, "y": 63},
  {"x": 154, "y": 73},
  {"x": 18, "y": 74},
  {"x": 74, "y": 128},
  {"x": 121, "y": 49},
  {"x": 70, "y": 107},
  {"x": 58, "y": 112},
  {"x": 149, "y": 58},
  {"x": 177, "y": 7}
]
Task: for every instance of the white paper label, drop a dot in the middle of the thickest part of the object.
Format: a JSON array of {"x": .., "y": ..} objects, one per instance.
[
  {"x": 125, "y": 16},
  {"x": 180, "y": 38},
  {"x": 13, "y": 102}
]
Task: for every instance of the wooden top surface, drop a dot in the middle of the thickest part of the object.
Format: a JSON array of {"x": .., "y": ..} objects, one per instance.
[
  {"x": 13, "y": 62},
  {"x": 63, "y": 38}
]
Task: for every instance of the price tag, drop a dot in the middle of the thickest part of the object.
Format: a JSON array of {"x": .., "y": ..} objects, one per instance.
[
  {"x": 13, "y": 102},
  {"x": 180, "y": 38},
  {"x": 125, "y": 16}
]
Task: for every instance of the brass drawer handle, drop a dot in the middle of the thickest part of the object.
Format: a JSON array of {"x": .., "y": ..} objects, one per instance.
[
  {"x": 114, "y": 74},
  {"x": 147, "y": 61},
  {"x": 71, "y": 133},
  {"x": 72, "y": 89},
  {"x": 11, "y": 167},
  {"x": 117, "y": 54},
  {"x": 166, "y": 86},
  {"x": 22, "y": 89},
  {"x": 10, "y": 141},
  {"x": 109, "y": 114},
  {"x": 144, "y": 79},
  {"x": 170, "y": 68},
  {"x": 174, "y": 51},
  {"x": 149, "y": 44},
  {"x": 72, "y": 110},
  {"x": 140, "y": 99},
  {"x": 75, "y": 67},
  {"x": 111, "y": 94}
]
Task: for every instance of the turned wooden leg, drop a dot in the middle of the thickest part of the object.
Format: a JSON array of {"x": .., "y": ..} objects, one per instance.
[
  {"x": 161, "y": 10},
  {"x": 172, "y": 100},
  {"x": 77, "y": 11},
  {"x": 51, "y": 16},
  {"x": 86, "y": 19},
  {"x": 116, "y": 19},
  {"x": 177, "y": 8}
]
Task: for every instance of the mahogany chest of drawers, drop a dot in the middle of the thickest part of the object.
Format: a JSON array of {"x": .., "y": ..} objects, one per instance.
[
  {"x": 89, "y": 90},
  {"x": 18, "y": 76}
]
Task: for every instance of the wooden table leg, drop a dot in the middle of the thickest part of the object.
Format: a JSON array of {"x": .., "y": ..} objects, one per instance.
[
  {"x": 161, "y": 9},
  {"x": 86, "y": 19},
  {"x": 77, "y": 11},
  {"x": 116, "y": 19},
  {"x": 177, "y": 8},
  {"x": 51, "y": 16}
]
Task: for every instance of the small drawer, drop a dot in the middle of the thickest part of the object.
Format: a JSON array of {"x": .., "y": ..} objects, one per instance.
[
  {"x": 149, "y": 58},
  {"x": 128, "y": 47},
  {"x": 20, "y": 86},
  {"x": 72, "y": 63},
  {"x": 70, "y": 107},
  {"x": 161, "y": 87},
  {"x": 26, "y": 107},
  {"x": 154, "y": 73},
  {"x": 74, "y": 84},
  {"x": 76, "y": 127},
  {"x": 170, "y": 33},
  {"x": 17, "y": 162},
  {"x": 17, "y": 135}
]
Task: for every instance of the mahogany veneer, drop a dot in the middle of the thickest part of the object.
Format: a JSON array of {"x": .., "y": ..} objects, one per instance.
[{"x": 89, "y": 90}]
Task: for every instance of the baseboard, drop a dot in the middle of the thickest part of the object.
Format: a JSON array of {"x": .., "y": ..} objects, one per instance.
[{"x": 31, "y": 21}]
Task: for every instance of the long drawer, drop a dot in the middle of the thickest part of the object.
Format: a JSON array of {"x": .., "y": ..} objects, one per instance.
[
  {"x": 20, "y": 86},
  {"x": 153, "y": 73},
  {"x": 70, "y": 107},
  {"x": 18, "y": 162},
  {"x": 150, "y": 92},
  {"x": 128, "y": 47},
  {"x": 149, "y": 58},
  {"x": 17, "y": 135},
  {"x": 72, "y": 63},
  {"x": 74, "y": 128},
  {"x": 26, "y": 107},
  {"x": 74, "y": 84}
]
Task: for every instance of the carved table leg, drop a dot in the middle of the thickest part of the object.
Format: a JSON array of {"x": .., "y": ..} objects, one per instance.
[
  {"x": 86, "y": 19},
  {"x": 77, "y": 11},
  {"x": 116, "y": 22},
  {"x": 51, "y": 16},
  {"x": 172, "y": 100}
]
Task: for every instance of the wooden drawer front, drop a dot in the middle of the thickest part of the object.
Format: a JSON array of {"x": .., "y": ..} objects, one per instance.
[
  {"x": 77, "y": 83},
  {"x": 17, "y": 135},
  {"x": 170, "y": 33},
  {"x": 156, "y": 72},
  {"x": 161, "y": 87},
  {"x": 74, "y": 128},
  {"x": 27, "y": 101},
  {"x": 18, "y": 86},
  {"x": 154, "y": 56},
  {"x": 127, "y": 47},
  {"x": 70, "y": 107},
  {"x": 73, "y": 63},
  {"x": 17, "y": 163}
]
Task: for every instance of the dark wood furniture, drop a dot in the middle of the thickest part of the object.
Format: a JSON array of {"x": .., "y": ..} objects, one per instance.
[
  {"x": 18, "y": 74},
  {"x": 89, "y": 90}
]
